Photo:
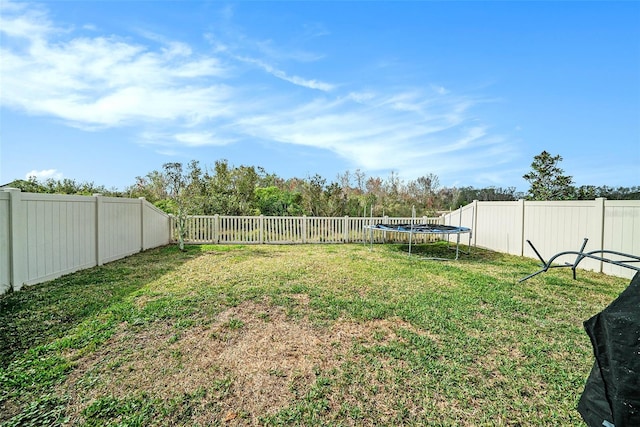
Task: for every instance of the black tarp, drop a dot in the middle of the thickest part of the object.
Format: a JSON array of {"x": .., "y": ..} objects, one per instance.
[{"x": 611, "y": 395}]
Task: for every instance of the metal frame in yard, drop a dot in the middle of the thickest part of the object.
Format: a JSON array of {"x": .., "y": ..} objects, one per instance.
[{"x": 580, "y": 255}]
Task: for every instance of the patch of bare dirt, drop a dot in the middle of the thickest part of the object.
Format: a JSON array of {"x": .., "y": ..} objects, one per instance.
[{"x": 250, "y": 361}]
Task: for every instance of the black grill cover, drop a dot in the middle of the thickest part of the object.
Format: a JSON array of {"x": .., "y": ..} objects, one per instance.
[{"x": 612, "y": 393}]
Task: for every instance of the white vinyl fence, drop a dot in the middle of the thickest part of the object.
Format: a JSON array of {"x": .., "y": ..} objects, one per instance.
[
  {"x": 294, "y": 229},
  {"x": 555, "y": 227},
  {"x": 44, "y": 236}
]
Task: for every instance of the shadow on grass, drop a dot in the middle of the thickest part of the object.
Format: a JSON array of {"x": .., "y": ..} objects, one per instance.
[
  {"x": 39, "y": 314},
  {"x": 447, "y": 251}
]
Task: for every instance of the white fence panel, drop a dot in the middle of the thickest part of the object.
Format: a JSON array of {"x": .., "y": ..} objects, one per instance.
[
  {"x": 288, "y": 229},
  {"x": 555, "y": 227},
  {"x": 60, "y": 235},
  {"x": 201, "y": 229},
  {"x": 356, "y": 231},
  {"x": 120, "y": 227},
  {"x": 156, "y": 227},
  {"x": 239, "y": 229},
  {"x": 325, "y": 230},
  {"x": 283, "y": 229},
  {"x": 498, "y": 225},
  {"x": 463, "y": 217},
  {"x": 43, "y": 236},
  {"x": 621, "y": 233},
  {"x": 5, "y": 238}
]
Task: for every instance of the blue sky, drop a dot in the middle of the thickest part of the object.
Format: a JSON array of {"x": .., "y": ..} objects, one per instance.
[{"x": 109, "y": 90}]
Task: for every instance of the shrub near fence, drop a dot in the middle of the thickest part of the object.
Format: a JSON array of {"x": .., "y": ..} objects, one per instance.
[{"x": 294, "y": 229}]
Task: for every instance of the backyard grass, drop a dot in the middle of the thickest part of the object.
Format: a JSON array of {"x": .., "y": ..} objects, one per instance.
[{"x": 300, "y": 335}]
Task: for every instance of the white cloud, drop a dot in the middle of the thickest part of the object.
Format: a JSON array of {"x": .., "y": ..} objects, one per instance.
[
  {"x": 44, "y": 174},
  {"x": 173, "y": 97},
  {"x": 186, "y": 139},
  {"x": 194, "y": 139},
  {"x": 296, "y": 80},
  {"x": 23, "y": 20},
  {"x": 104, "y": 81},
  {"x": 408, "y": 132},
  {"x": 440, "y": 90}
]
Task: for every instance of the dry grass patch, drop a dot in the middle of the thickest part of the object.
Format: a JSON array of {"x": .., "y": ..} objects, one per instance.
[{"x": 252, "y": 360}]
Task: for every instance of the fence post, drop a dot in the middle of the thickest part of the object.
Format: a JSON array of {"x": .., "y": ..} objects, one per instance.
[
  {"x": 304, "y": 229},
  {"x": 345, "y": 230},
  {"x": 474, "y": 221},
  {"x": 520, "y": 215},
  {"x": 216, "y": 228},
  {"x": 385, "y": 220},
  {"x": 17, "y": 240},
  {"x": 599, "y": 223},
  {"x": 521, "y": 218},
  {"x": 261, "y": 229},
  {"x": 142, "y": 221},
  {"x": 99, "y": 228}
]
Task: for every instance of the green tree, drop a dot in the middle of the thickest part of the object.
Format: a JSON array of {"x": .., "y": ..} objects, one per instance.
[
  {"x": 313, "y": 189},
  {"x": 273, "y": 201},
  {"x": 30, "y": 185},
  {"x": 183, "y": 189},
  {"x": 590, "y": 192},
  {"x": 546, "y": 179},
  {"x": 153, "y": 187},
  {"x": 245, "y": 180},
  {"x": 231, "y": 190},
  {"x": 422, "y": 193},
  {"x": 61, "y": 186},
  {"x": 334, "y": 200}
]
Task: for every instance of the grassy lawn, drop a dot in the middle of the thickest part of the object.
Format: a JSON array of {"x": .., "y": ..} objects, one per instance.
[{"x": 300, "y": 335}]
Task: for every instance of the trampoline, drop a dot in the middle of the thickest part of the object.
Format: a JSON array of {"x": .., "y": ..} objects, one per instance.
[{"x": 412, "y": 229}]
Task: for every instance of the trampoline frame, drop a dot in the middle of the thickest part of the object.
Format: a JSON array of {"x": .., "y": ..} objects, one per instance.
[{"x": 413, "y": 228}]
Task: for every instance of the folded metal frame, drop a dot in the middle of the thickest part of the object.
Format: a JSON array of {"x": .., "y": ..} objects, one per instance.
[{"x": 626, "y": 261}]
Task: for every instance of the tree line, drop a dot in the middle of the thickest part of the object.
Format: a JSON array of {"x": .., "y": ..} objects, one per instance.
[{"x": 248, "y": 190}]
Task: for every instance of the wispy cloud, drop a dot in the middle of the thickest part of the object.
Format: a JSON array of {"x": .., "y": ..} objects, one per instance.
[
  {"x": 174, "y": 96},
  {"x": 296, "y": 80},
  {"x": 25, "y": 20},
  {"x": 103, "y": 81},
  {"x": 184, "y": 139},
  {"x": 373, "y": 133}
]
